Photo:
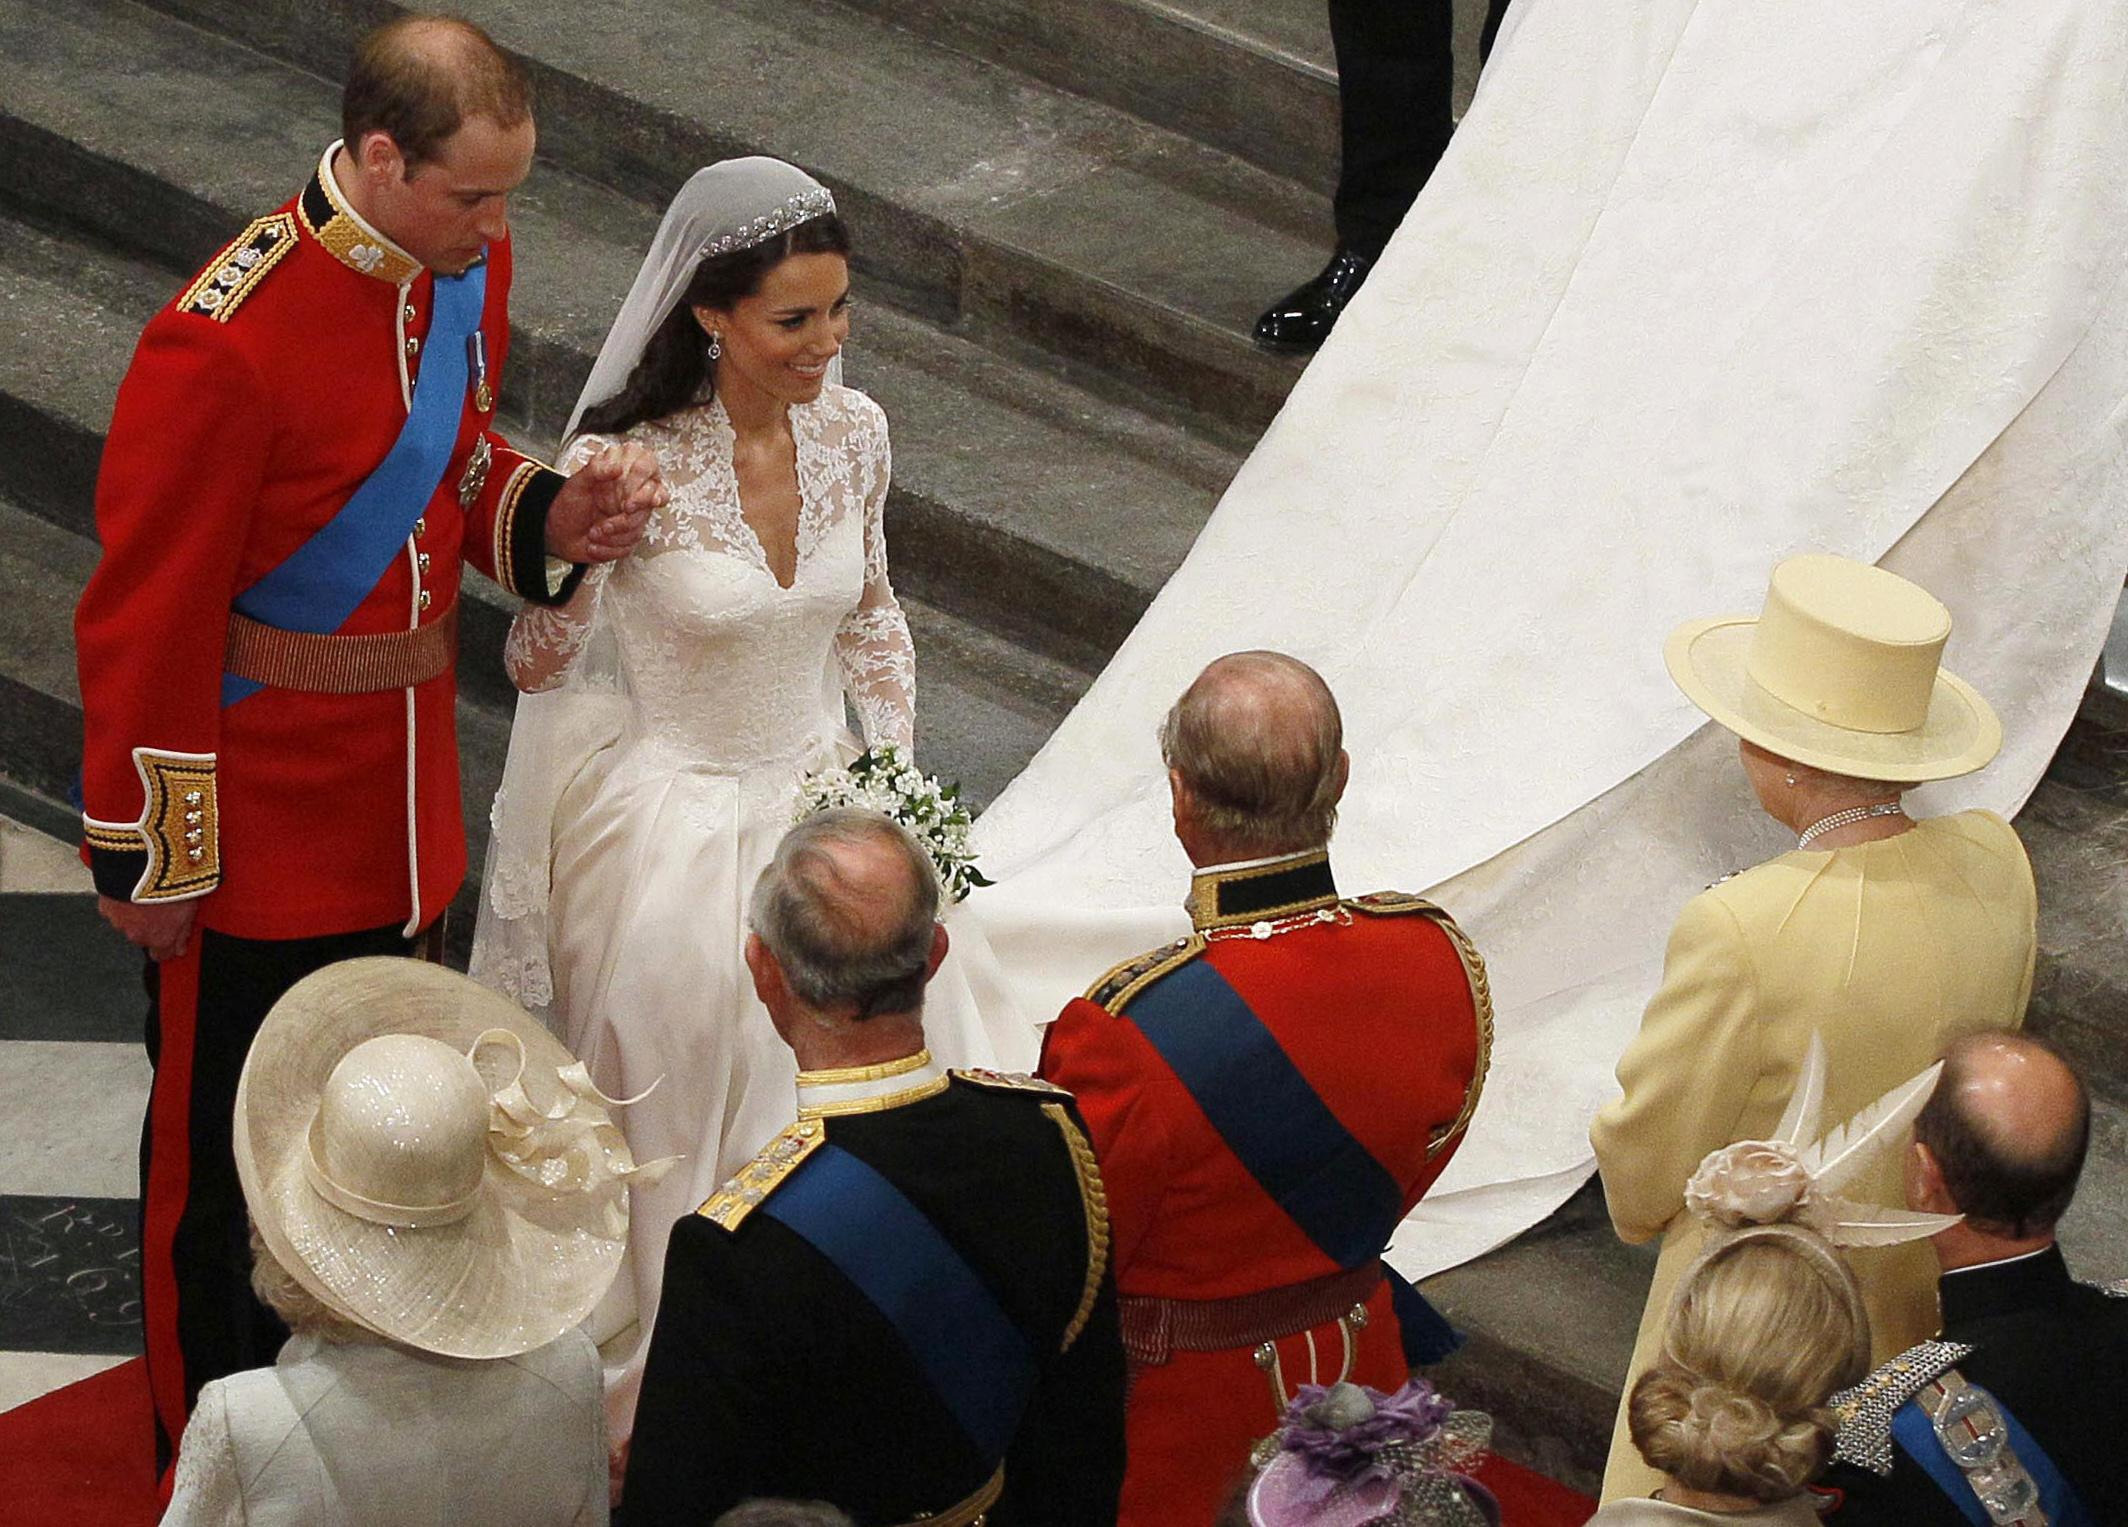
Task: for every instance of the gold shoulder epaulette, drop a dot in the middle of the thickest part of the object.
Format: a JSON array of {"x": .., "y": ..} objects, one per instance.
[
  {"x": 761, "y": 1176},
  {"x": 1009, "y": 1081},
  {"x": 1391, "y": 903},
  {"x": 236, "y": 272},
  {"x": 1115, "y": 990},
  {"x": 1866, "y": 1410},
  {"x": 1394, "y": 903},
  {"x": 1093, "y": 1198}
]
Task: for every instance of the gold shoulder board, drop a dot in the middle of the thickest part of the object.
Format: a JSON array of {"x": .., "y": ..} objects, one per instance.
[
  {"x": 1115, "y": 990},
  {"x": 1010, "y": 1081},
  {"x": 236, "y": 272},
  {"x": 738, "y": 1198}
]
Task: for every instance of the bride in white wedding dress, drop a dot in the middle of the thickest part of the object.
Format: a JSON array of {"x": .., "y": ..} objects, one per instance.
[
  {"x": 676, "y": 702},
  {"x": 1700, "y": 284}
]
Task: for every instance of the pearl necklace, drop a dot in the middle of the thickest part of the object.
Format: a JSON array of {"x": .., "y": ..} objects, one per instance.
[{"x": 1848, "y": 818}]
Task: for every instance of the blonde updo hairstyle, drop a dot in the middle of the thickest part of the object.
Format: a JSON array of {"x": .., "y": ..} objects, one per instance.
[{"x": 1766, "y": 1327}]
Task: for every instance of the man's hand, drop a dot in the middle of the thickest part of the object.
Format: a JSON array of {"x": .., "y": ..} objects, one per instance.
[
  {"x": 600, "y": 512},
  {"x": 163, "y": 928}
]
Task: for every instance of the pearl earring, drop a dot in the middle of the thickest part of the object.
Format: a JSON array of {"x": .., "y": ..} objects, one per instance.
[
  {"x": 1791, "y": 778},
  {"x": 716, "y": 348}
]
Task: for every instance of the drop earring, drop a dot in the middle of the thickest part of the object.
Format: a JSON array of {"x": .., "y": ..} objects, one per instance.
[
  {"x": 716, "y": 348},
  {"x": 713, "y": 352}
]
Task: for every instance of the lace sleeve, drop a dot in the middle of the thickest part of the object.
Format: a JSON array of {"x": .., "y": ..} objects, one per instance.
[
  {"x": 872, "y": 646},
  {"x": 207, "y": 1492},
  {"x": 545, "y": 639}
]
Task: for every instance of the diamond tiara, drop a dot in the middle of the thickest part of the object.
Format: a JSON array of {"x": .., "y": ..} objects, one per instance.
[{"x": 814, "y": 201}]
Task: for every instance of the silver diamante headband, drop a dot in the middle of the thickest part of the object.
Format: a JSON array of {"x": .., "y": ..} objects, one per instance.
[{"x": 814, "y": 201}]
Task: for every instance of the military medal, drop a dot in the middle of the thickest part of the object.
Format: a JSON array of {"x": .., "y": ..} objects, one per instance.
[{"x": 477, "y": 357}]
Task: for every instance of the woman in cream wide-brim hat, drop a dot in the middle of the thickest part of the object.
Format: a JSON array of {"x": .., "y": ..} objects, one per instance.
[
  {"x": 1893, "y": 935},
  {"x": 439, "y": 1198}
]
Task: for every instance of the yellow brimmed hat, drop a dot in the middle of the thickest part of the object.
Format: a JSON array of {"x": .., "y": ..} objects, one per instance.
[{"x": 1842, "y": 671}]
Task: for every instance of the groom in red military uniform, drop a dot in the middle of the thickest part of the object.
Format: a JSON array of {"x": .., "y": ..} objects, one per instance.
[
  {"x": 1268, "y": 1097},
  {"x": 300, "y": 462}
]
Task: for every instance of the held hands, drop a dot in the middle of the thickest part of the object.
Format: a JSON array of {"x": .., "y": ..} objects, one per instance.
[
  {"x": 600, "y": 512},
  {"x": 163, "y": 928}
]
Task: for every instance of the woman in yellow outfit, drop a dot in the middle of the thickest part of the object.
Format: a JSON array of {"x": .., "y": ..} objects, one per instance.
[{"x": 1891, "y": 936}]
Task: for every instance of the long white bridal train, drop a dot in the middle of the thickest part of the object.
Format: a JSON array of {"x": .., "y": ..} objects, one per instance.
[{"x": 1700, "y": 284}]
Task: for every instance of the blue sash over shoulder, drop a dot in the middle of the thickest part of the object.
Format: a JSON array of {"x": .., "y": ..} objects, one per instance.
[
  {"x": 325, "y": 580},
  {"x": 977, "y": 1360},
  {"x": 1298, "y": 1151}
]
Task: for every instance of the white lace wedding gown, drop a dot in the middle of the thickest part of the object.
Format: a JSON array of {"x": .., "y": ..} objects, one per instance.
[
  {"x": 667, "y": 796},
  {"x": 1700, "y": 284}
]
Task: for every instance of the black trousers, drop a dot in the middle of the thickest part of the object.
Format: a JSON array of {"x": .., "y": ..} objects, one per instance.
[
  {"x": 1396, "y": 78},
  {"x": 202, "y": 1321}
]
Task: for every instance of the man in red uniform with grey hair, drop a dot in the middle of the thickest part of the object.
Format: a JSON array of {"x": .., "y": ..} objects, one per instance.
[
  {"x": 300, "y": 463},
  {"x": 1268, "y": 1097}
]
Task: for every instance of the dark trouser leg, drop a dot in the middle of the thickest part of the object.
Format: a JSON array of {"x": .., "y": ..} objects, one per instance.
[
  {"x": 1396, "y": 76},
  {"x": 203, "y": 1011}
]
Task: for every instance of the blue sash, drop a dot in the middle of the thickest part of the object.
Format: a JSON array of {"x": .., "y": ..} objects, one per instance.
[
  {"x": 978, "y": 1361},
  {"x": 1286, "y": 1137},
  {"x": 326, "y": 579},
  {"x": 1915, "y": 1433}
]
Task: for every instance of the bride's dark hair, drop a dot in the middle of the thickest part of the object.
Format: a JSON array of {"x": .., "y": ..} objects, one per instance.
[{"x": 674, "y": 372}]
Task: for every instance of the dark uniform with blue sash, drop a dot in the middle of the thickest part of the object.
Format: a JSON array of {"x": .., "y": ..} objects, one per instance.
[
  {"x": 2020, "y": 1400},
  {"x": 1269, "y": 1098},
  {"x": 902, "y": 1307},
  {"x": 298, "y": 467}
]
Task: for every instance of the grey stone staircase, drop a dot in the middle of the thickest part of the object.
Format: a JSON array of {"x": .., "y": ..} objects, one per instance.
[{"x": 1067, "y": 213}]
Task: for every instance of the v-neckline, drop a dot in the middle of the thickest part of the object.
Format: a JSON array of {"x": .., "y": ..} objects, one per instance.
[{"x": 720, "y": 419}]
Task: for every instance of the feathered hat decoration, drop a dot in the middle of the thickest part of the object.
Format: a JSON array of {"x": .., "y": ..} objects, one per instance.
[{"x": 1786, "y": 1181}]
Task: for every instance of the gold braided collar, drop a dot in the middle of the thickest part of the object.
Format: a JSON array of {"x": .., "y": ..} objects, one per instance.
[
  {"x": 344, "y": 233},
  {"x": 1264, "y": 890},
  {"x": 870, "y": 1089}
]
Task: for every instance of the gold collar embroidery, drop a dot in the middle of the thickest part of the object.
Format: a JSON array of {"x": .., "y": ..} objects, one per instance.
[
  {"x": 1230, "y": 896},
  {"x": 344, "y": 233},
  {"x": 870, "y": 1089}
]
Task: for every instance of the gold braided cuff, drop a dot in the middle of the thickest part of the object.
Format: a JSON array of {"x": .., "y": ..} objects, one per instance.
[{"x": 173, "y": 852}]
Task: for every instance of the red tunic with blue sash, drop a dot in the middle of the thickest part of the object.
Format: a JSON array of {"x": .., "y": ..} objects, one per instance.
[
  {"x": 258, "y": 404},
  {"x": 1268, "y": 1098},
  {"x": 300, "y": 452}
]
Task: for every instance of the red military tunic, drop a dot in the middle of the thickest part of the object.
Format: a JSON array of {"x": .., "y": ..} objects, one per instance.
[
  {"x": 1379, "y": 1005},
  {"x": 258, "y": 401}
]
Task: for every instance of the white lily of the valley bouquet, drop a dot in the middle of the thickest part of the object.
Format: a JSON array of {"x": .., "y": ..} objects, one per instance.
[{"x": 880, "y": 779}]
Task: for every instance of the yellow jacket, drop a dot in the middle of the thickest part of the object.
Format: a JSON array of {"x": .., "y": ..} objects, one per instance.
[{"x": 1890, "y": 949}]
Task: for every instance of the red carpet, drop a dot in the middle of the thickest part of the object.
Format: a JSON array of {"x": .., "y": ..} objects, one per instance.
[
  {"x": 1528, "y": 1499},
  {"x": 81, "y": 1454}
]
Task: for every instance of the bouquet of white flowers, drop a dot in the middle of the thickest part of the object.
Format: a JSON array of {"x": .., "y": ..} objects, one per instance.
[{"x": 880, "y": 779}]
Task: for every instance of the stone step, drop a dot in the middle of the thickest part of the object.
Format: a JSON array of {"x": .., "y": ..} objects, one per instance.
[
  {"x": 988, "y": 199},
  {"x": 1021, "y": 500},
  {"x": 1255, "y": 78}
]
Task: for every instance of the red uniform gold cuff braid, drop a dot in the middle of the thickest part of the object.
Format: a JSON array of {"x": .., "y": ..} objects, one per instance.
[{"x": 173, "y": 852}]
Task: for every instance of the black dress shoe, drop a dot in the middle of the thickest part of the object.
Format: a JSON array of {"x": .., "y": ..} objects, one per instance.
[{"x": 1300, "y": 321}]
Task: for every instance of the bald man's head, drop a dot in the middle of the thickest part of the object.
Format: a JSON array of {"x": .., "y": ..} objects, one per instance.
[
  {"x": 849, "y": 909},
  {"x": 417, "y": 78},
  {"x": 1258, "y": 743},
  {"x": 2007, "y": 1127}
]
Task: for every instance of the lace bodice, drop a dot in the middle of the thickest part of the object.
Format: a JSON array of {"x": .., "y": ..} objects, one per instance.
[{"x": 723, "y": 663}]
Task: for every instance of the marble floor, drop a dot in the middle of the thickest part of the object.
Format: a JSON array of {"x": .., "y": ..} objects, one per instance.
[{"x": 73, "y": 1082}]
